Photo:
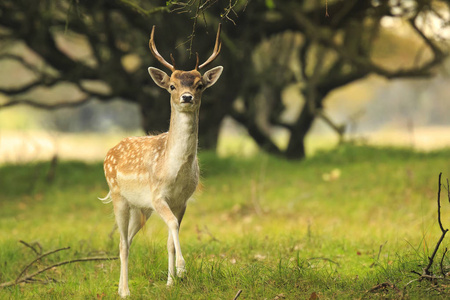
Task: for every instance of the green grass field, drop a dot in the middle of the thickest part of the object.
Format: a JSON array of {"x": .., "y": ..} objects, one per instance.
[{"x": 334, "y": 225}]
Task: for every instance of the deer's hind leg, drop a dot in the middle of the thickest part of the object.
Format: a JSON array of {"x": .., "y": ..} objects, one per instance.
[{"x": 138, "y": 217}]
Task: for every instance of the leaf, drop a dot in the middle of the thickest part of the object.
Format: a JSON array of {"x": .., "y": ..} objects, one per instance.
[
  {"x": 313, "y": 296},
  {"x": 270, "y": 4},
  {"x": 100, "y": 296}
]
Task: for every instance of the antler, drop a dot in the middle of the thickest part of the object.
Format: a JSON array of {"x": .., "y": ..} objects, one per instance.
[
  {"x": 216, "y": 51},
  {"x": 152, "y": 46}
]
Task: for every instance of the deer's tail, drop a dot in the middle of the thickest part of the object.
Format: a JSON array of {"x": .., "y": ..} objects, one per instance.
[{"x": 107, "y": 199}]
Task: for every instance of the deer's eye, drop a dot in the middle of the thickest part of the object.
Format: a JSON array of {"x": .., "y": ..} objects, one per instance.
[
  {"x": 199, "y": 87},
  {"x": 172, "y": 87}
]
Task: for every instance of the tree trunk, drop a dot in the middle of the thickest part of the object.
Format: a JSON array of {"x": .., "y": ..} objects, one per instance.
[
  {"x": 208, "y": 133},
  {"x": 155, "y": 114},
  {"x": 296, "y": 146}
]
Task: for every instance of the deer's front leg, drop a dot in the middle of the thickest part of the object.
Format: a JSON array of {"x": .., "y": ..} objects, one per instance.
[
  {"x": 171, "y": 255},
  {"x": 122, "y": 213},
  {"x": 173, "y": 243}
]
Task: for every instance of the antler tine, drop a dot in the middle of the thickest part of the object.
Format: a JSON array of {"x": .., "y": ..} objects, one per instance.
[
  {"x": 196, "y": 64},
  {"x": 216, "y": 51},
  {"x": 152, "y": 46},
  {"x": 173, "y": 61}
]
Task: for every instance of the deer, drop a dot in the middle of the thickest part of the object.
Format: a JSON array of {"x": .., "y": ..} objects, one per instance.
[{"x": 160, "y": 173}]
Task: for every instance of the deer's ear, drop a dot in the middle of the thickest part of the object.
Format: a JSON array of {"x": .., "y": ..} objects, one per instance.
[
  {"x": 159, "y": 77},
  {"x": 210, "y": 77}
]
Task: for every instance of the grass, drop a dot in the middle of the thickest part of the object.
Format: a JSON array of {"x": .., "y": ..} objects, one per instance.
[{"x": 336, "y": 224}]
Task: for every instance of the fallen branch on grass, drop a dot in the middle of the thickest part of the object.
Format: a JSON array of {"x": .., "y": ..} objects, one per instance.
[
  {"x": 237, "y": 295},
  {"x": 383, "y": 286},
  {"x": 29, "y": 278},
  {"x": 32, "y": 248}
]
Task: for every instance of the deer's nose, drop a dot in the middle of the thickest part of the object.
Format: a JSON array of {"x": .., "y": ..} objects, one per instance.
[{"x": 186, "y": 98}]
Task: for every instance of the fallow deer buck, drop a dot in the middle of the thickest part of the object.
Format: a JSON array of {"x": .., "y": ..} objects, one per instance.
[{"x": 160, "y": 173}]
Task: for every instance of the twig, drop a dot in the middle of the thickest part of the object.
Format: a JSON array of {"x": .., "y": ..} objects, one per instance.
[
  {"x": 38, "y": 258},
  {"x": 383, "y": 286},
  {"x": 414, "y": 280},
  {"x": 381, "y": 248},
  {"x": 237, "y": 294},
  {"x": 442, "y": 262},
  {"x": 229, "y": 9},
  {"x": 52, "y": 106},
  {"x": 426, "y": 270},
  {"x": 439, "y": 204},
  {"x": 426, "y": 273},
  {"x": 431, "y": 277},
  {"x": 30, "y": 277},
  {"x": 448, "y": 191},
  {"x": 29, "y": 246},
  {"x": 213, "y": 238}
]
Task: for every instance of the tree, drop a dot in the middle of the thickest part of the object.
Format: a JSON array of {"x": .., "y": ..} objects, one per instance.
[
  {"x": 339, "y": 42},
  {"x": 339, "y": 45},
  {"x": 113, "y": 32}
]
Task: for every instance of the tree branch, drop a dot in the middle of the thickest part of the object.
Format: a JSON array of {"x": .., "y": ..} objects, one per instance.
[
  {"x": 48, "y": 82},
  {"x": 325, "y": 39},
  {"x": 30, "y": 277},
  {"x": 38, "y": 258},
  {"x": 258, "y": 136},
  {"x": 20, "y": 59},
  {"x": 52, "y": 106}
]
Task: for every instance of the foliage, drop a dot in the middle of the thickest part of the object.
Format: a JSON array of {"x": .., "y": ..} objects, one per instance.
[
  {"x": 340, "y": 44},
  {"x": 263, "y": 225}
]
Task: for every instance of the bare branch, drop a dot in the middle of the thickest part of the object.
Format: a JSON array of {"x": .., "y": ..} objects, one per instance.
[
  {"x": 230, "y": 9},
  {"x": 314, "y": 33},
  {"x": 30, "y": 277},
  {"x": 237, "y": 295},
  {"x": 439, "y": 204},
  {"x": 48, "y": 82},
  {"x": 33, "y": 68},
  {"x": 31, "y": 247},
  {"x": 442, "y": 262},
  {"x": 52, "y": 106},
  {"x": 38, "y": 258},
  {"x": 426, "y": 270},
  {"x": 430, "y": 43}
]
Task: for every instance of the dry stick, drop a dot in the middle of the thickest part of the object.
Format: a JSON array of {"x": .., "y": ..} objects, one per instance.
[
  {"x": 38, "y": 258},
  {"x": 448, "y": 191},
  {"x": 29, "y": 246},
  {"x": 379, "y": 252},
  {"x": 442, "y": 262},
  {"x": 28, "y": 277},
  {"x": 426, "y": 270},
  {"x": 237, "y": 295},
  {"x": 214, "y": 239}
]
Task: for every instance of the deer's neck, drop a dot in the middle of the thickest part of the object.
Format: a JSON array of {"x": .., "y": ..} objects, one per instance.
[{"x": 182, "y": 139}]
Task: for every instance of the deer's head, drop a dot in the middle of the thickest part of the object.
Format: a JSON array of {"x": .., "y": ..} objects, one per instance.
[{"x": 185, "y": 87}]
